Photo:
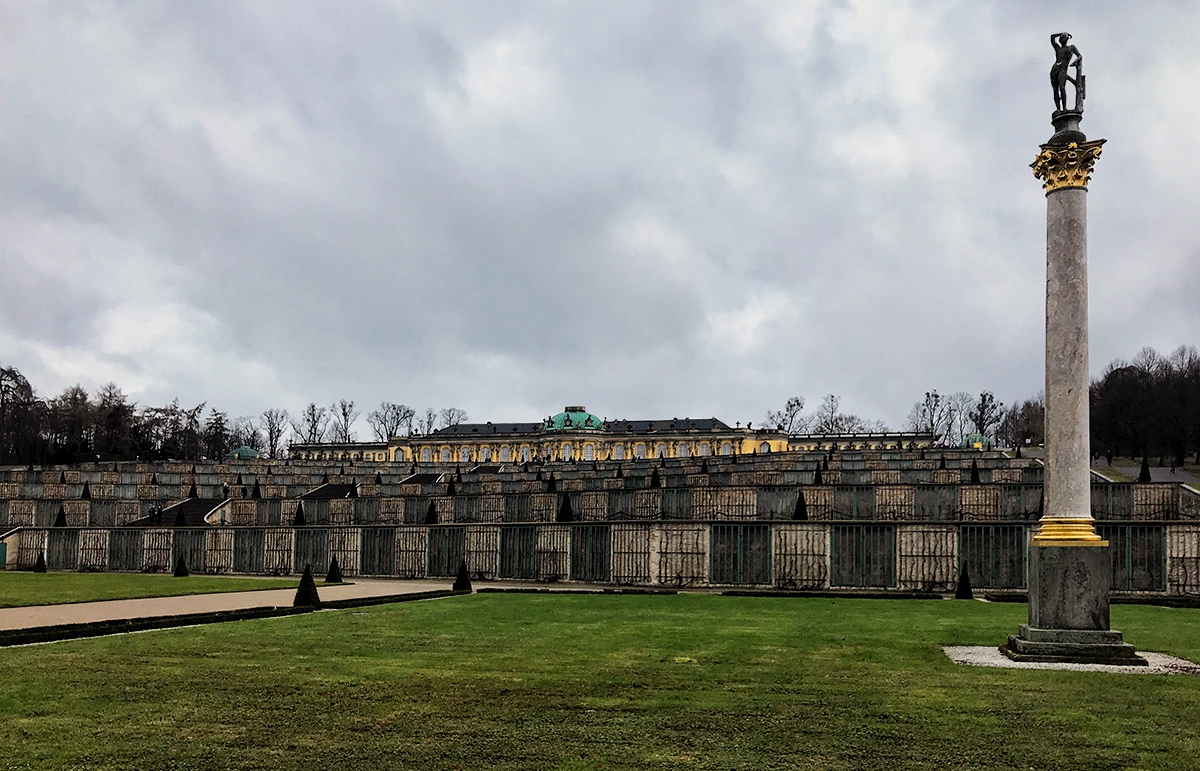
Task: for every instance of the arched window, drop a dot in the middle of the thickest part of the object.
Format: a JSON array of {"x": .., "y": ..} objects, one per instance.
[
  {"x": 505, "y": 455},
  {"x": 485, "y": 454},
  {"x": 566, "y": 451},
  {"x": 726, "y": 448},
  {"x": 639, "y": 451},
  {"x": 445, "y": 455},
  {"x": 589, "y": 452},
  {"x": 681, "y": 451},
  {"x": 465, "y": 455},
  {"x": 764, "y": 447},
  {"x": 424, "y": 454},
  {"x": 619, "y": 452},
  {"x": 660, "y": 451},
  {"x": 524, "y": 454},
  {"x": 704, "y": 449}
]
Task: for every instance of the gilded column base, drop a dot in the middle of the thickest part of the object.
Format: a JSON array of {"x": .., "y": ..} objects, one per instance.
[{"x": 1067, "y": 531}]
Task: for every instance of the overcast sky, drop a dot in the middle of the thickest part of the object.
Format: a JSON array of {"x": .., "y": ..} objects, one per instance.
[{"x": 654, "y": 209}]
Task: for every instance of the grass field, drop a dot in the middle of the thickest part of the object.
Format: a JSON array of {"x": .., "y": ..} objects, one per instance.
[
  {"x": 25, "y": 588},
  {"x": 587, "y": 682}
]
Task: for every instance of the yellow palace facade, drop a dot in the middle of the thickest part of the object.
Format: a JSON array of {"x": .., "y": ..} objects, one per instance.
[{"x": 578, "y": 435}]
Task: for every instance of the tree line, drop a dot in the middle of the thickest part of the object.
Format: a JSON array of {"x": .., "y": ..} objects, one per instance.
[
  {"x": 1148, "y": 407},
  {"x": 76, "y": 426}
]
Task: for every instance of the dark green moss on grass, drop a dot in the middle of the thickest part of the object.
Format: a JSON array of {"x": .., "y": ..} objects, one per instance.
[{"x": 515, "y": 681}]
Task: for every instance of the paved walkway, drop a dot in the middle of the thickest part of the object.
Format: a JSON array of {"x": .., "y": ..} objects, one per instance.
[
  {"x": 148, "y": 607},
  {"x": 33, "y": 616}
]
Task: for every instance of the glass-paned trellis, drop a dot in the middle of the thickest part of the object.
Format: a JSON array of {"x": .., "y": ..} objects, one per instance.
[
  {"x": 377, "y": 556},
  {"x": 1139, "y": 556},
  {"x": 312, "y": 548},
  {"x": 248, "y": 550},
  {"x": 591, "y": 552},
  {"x": 62, "y": 549},
  {"x": 125, "y": 549},
  {"x": 188, "y": 543},
  {"x": 518, "y": 552},
  {"x": 994, "y": 555},
  {"x": 447, "y": 550},
  {"x": 863, "y": 556},
  {"x": 740, "y": 554}
]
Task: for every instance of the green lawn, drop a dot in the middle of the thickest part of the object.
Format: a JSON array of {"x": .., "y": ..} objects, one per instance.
[
  {"x": 25, "y": 588},
  {"x": 586, "y": 682}
]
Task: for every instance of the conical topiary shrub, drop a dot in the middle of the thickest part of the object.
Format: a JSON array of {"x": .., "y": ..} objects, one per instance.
[
  {"x": 974, "y": 472},
  {"x": 256, "y": 491},
  {"x": 620, "y": 472},
  {"x": 334, "y": 575},
  {"x": 942, "y": 463},
  {"x": 306, "y": 595},
  {"x": 450, "y": 489},
  {"x": 801, "y": 512},
  {"x": 431, "y": 517},
  {"x": 181, "y": 570},
  {"x": 298, "y": 519},
  {"x": 551, "y": 485},
  {"x": 655, "y": 480},
  {"x": 462, "y": 583},
  {"x": 1144, "y": 476},
  {"x": 192, "y": 492},
  {"x": 817, "y": 476},
  {"x": 60, "y": 520},
  {"x": 963, "y": 590},
  {"x": 1019, "y": 455},
  {"x": 704, "y": 467},
  {"x": 565, "y": 513},
  {"x": 40, "y": 565},
  {"x": 180, "y": 518},
  {"x": 86, "y": 493}
]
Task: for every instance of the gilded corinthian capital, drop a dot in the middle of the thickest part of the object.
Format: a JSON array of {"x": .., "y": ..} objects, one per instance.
[{"x": 1068, "y": 165}]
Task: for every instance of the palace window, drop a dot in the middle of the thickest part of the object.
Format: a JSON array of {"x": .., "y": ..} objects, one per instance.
[
  {"x": 726, "y": 448},
  {"x": 618, "y": 452},
  {"x": 524, "y": 454},
  {"x": 660, "y": 451},
  {"x": 589, "y": 452},
  {"x": 485, "y": 454},
  {"x": 639, "y": 451},
  {"x": 681, "y": 451},
  {"x": 566, "y": 451},
  {"x": 704, "y": 449},
  {"x": 764, "y": 447},
  {"x": 445, "y": 455},
  {"x": 505, "y": 455},
  {"x": 465, "y": 455},
  {"x": 424, "y": 454}
]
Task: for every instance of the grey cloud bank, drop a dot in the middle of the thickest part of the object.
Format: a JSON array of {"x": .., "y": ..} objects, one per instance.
[{"x": 653, "y": 209}]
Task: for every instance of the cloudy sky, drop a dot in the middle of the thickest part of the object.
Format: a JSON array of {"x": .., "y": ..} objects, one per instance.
[{"x": 655, "y": 209}]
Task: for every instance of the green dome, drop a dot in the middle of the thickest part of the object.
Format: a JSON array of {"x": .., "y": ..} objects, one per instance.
[
  {"x": 573, "y": 419},
  {"x": 244, "y": 453}
]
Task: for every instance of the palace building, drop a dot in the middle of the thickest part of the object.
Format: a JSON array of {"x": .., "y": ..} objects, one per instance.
[{"x": 578, "y": 435}]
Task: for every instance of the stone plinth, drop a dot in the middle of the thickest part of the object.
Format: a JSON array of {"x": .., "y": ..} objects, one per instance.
[{"x": 1068, "y": 609}]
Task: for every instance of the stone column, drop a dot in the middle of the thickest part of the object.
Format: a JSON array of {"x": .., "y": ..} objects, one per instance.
[{"x": 1070, "y": 567}]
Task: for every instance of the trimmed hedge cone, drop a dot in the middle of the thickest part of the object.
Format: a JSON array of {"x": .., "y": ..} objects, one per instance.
[
  {"x": 306, "y": 595},
  {"x": 181, "y": 570},
  {"x": 334, "y": 576},
  {"x": 462, "y": 583},
  {"x": 963, "y": 590},
  {"x": 40, "y": 565}
]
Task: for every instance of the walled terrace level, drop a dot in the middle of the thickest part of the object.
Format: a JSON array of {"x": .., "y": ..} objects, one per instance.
[{"x": 875, "y": 519}]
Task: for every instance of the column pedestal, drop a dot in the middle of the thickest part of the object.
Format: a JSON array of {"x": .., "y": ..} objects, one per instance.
[{"x": 1068, "y": 609}]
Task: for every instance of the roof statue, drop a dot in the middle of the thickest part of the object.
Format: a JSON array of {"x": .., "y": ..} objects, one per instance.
[{"x": 1066, "y": 56}]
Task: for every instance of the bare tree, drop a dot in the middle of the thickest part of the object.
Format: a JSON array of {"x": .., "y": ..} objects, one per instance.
[
  {"x": 427, "y": 422},
  {"x": 342, "y": 429},
  {"x": 958, "y": 417},
  {"x": 391, "y": 420},
  {"x": 245, "y": 433},
  {"x": 451, "y": 416},
  {"x": 790, "y": 420},
  {"x": 274, "y": 425},
  {"x": 929, "y": 416},
  {"x": 310, "y": 428},
  {"x": 986, "y": 414}
]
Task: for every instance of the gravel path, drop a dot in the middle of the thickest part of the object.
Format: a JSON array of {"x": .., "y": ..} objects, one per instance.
[{"x": 990, "y": 656}]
